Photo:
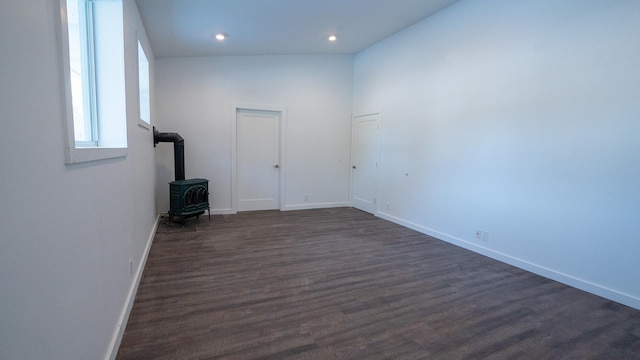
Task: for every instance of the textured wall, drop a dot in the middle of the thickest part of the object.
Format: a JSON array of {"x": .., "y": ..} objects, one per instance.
[
  {"x": 196, "y": 98},
  {"x": 519, "y": 118},
  {"x": 67, "y": 232}
]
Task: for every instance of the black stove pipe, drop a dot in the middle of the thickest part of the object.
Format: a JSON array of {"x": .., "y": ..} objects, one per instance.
[{"x": 178, "y": 149}]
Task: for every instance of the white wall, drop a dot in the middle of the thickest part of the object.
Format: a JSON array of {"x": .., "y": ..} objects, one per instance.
[
  {"x": 195, "y": 97},
  {"x": 520, "y": 118},
  {"x": 66, "y": 232}
]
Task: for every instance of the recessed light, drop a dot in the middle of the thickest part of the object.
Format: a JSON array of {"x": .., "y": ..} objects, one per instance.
[
  {"x": 221, "y": 36},
  {"x": 332, "y": 38}
]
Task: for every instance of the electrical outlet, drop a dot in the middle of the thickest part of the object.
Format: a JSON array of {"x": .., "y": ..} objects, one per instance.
[
  {"x": 306, "y": 197},
  {"x": 388, "y": 206},
  {"x": 482, "y": 235}
]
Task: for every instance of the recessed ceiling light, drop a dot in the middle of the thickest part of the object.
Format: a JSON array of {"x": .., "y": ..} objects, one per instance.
[
  {"x": 332, "y": 38},
  {"x": 221, "y": 36}
]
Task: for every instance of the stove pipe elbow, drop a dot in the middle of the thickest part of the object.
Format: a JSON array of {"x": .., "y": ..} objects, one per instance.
[{"x": 178, "y": 149}]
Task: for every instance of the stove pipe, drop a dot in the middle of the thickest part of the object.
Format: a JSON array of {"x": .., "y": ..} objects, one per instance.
[{"x": 178, "y": 149}]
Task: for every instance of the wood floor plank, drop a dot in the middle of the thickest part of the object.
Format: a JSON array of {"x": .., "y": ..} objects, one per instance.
[{"x": 342, "y": 284}]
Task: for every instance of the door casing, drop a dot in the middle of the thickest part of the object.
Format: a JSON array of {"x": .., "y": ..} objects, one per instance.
[
  {"x": 234, "y": 150},
  {"x": 370, "y": 203}
]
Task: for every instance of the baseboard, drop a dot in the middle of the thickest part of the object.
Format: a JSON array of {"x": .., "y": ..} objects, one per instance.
[
  {"x": 314, "y": 206},
  {"x": 222, "y": 211},
  {"x": 213, "y": 212},
  {"x": 286, "y": 208},
  {"x": 131, "y": 296},
  {"x": 566, "y": 279}
]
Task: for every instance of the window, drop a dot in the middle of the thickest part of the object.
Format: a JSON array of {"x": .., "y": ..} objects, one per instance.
[
  {"x": 92, "y": 53},
  {"x": 143, "y": 87},
  {"x": 81, "y": 66}
]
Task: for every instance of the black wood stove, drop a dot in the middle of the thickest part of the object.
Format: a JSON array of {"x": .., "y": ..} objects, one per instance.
[{"x": 187, "y": 197}]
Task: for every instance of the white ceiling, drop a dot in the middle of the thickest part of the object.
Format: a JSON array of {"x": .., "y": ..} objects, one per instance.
[{"x": 178, "y": 28}]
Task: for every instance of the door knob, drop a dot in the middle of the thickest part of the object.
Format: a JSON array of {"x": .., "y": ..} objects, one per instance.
[
  {"x": 276, "y": 166},
  {"x": 353, "y": 167}
]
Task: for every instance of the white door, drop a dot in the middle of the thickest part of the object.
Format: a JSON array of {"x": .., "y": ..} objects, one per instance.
[
  {"x": 365, "y": 162},
  {"x": 258, "y": 159}
]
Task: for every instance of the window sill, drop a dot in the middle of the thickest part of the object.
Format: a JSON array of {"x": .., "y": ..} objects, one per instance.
[
  {"x": 80, "y": 155},
  {"x": 144, "y": 124}
]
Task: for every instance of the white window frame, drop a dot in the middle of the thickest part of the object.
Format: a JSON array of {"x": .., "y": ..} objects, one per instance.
[
  {"x": 107, "y": 104},
  {"x": 85, "y": 19},
  {"x": 144, "y": 87}
]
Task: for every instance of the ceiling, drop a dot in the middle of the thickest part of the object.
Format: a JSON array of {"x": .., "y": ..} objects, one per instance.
[{"x": 179, "y": 28}]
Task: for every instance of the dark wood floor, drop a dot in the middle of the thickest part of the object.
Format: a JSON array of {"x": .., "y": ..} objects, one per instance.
[{"x": 343, "y": 284}]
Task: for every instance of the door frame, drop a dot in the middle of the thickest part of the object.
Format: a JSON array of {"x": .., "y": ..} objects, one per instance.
[
  {"x": 234, "y": 151},
  {"x": 378, "y": 157}
]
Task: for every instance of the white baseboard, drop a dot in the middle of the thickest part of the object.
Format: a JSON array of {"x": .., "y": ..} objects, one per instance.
[
  {"x": 131, "y": 296},
  {"x": 314, "y": 206},
  {"x": 305, "y": 206},
  {"x": 570, "y": 280},
  {"x": 222, "y": 211},
  {"x": 213, "y": 212}
]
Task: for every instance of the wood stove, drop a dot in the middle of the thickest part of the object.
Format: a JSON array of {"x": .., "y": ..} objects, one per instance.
[
  {"x": 189, "y": 198},
  {"x": 186, "y": 197}
]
